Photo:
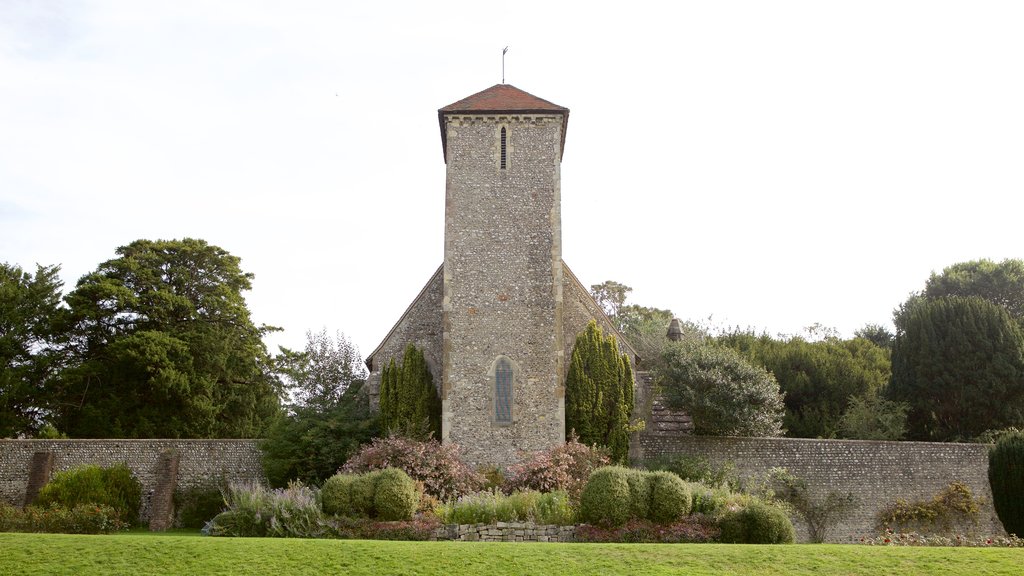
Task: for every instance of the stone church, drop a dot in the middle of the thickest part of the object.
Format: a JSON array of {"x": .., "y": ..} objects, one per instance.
[{"x": 498, "y": 319}]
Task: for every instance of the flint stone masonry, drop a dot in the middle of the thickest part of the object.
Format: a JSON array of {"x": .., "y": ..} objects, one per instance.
[
  {"x": 877, "y": 473},
  {"x": 201, "y": 463},
  {"x": 506, "y": 532}
]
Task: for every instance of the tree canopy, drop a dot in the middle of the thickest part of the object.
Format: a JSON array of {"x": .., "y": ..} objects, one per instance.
[
  {"x": 409, "y": 402},
  {"x": 724, "y": 393},
  {"x": 959, "y": 363},
  {"x": 30, "y": 326},
  {"x": 162, "y": 345},
  {"x": 999, "y": 283}
]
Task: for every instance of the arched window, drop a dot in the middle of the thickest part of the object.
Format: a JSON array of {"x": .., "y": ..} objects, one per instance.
[
  {"x": 504, "y": 149},
  {"x": 503, "y": 392}
]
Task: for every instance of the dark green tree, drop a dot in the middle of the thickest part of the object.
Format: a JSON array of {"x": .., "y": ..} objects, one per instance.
[
  {"x": 30, "y": 327},
  {"x": 162, "y": 345},
  {"x": 724, "y": 393},
  {"x": 1001, "y": 284},
  {"x": 818, "y": 378},
  {"x": 409, "y": 403},
  {"x": 876, "y": 334},
  {"x": 1006, "y": 476},
  {"x": 599, "y": 392},
  {"x": 959, "y": 363}
]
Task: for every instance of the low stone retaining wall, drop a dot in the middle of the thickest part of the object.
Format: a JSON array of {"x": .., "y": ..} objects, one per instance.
[{"x": 506, "y": 532}]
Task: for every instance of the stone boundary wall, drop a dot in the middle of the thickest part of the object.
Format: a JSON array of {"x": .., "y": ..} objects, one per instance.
[
  {"x": 506, "y": 532},
  {"x": 877, "y": 473},
  {"x": 201, "y": 462}
]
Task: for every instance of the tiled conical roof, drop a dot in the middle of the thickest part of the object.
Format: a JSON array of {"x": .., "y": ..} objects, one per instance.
[{"x": 501, "y": 98}]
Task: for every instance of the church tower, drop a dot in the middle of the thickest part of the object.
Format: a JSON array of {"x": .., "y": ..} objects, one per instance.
[{"x": 503, "y": 349}]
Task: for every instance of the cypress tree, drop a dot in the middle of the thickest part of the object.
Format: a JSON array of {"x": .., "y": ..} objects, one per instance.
[
  {"x": 409, "y": 403},
  {"x": 1006, "y": 476},
  {"x": 599, "y": 392}
]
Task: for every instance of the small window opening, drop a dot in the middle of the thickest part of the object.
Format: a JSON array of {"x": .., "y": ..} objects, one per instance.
[
  {"x": 503, "y": 148},
  {"x": 503, "y": 392}
]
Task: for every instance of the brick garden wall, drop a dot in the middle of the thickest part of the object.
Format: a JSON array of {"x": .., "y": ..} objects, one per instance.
[
  {"x": 877, "y": 473},
  {"x": 200, "y": 462}
]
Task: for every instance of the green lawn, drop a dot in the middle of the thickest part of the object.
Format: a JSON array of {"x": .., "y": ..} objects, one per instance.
[{"x": 187, "y": 554}]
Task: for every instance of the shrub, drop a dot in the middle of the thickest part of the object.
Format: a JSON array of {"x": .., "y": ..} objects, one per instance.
[
  {"x": 196, "y": 506},
  {"x": 116, "y": 487},
  {"x": 436, "y": 465},
  {"x": 491, "y": 507},
  {"x": 709, "y": 501},
  {"x": 361, "y": 495},
  {"x": 757, "y": 523},
  {"x": 1006, "y": 476},
  {"x": 253, "y": 510},
  {"x": 566, "y": 467},
  {"x": 640, "y": 485},
  {"x": 394, "y": 496},
  {"x": 606, "y": 497},
  {"x": 670, "y": 498},
  {"x": 952, "y": 508},
  {"x": 336, "y": 495},
  {"x": 890, "y": 538},
  {"x": 55, "y": 518},
  {"x": 421, "y": 528},
  {"x": 692, "y": 529},
  {"x": 821, "y": 514}
]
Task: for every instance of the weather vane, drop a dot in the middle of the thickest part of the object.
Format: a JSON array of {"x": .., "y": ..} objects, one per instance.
[{"x": 503, "y": 64}]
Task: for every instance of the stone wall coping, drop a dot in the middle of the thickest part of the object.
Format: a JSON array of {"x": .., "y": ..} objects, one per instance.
[
  {"x": 826, "y": 441},
  {"x": 128, "y": 440}
]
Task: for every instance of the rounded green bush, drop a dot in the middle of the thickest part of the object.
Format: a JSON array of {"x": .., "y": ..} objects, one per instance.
[
  {"x": 606, "y": 497},
  {"x": 1006, "y": 476},
  {"x": 639, "y": 493},
  {"x": 670, "y": 498},
  {"x": 758, "y": 523},
  {"x": 361, "y": 493},
  {"x": 394, "y": 497},
  {"x": 336, "y": 495},
  {"x": 116, "y": 487}
]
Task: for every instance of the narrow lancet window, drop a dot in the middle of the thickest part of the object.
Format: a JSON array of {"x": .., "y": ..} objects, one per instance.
[
  {"x": 503, "y": 392},
  {"x": 503, "y": 148}
]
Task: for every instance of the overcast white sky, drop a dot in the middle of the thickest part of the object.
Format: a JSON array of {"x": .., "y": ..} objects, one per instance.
[{"x": 767, "y": 164}]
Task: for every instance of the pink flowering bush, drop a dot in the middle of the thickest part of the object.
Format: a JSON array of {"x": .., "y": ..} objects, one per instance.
[
  {"x": 566, "y": 467},
  {"x": 437, "y": 466}
]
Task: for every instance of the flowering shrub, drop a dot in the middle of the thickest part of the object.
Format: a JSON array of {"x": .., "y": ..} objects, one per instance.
[
  {"x": 954, "y": 507},
  {"x": 492, "y": 507},
  {"x": 80, "y": 519},
  {"x": 437, "y": 466},
  {"x": 890, "y": 538},
  {"x": 692, "y": 529},
  {"x": 254, "y": 510},
  {"x": 566, "y": 467}
]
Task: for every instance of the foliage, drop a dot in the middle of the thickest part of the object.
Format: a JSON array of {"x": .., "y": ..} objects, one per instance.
[
  {"x": 606, "y": 498},
  {"x": 394, "y": 495},
  {"x": 876, "y": 334},
  {"x": 144, "y": 553},
  {"x": 959, "y": 363},
  {"x": 196, "y": 506},
  {"x": 890, "y": 538},
  {"x": 409, "y": 403},
  {"x": 757, "y": 523},
  {"x": 336, "y": 495},
  {"x": 162, "y": 345},
  {"x": 30, "y": 328},
  {"x": 873, "y": 417},
  {"x": 821, "y": 515},
  {"x": 1001, "y": 284},
  {"x": 57, "y": 518},
  {"x": 723, "y": 393},
  {"x": 670, "y": 498},
  {"x": 313, "y": 441},
  {"x": 418, "y": 529},
  {"x": 565, "y": 467},
  {"x": 951, "y": 509},
  {"x": 254, "y": 510},
  {"x": 116, "y": 487},
  {"x": 599, "y": 392},
  {"x": 1006, "y": 476},
  {"x": 491, "y": 507},
  {"x": 691, "y": 529},
  {"x": 610, "y": 296},
  {"x": 817, "y": 378},
  {"x": 437, "y": 466},
  {"x": 318, "y": 376},
  {"x": 697, "y": 469}
]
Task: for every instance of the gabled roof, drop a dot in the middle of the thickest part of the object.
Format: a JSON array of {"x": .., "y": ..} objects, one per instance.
[{"x": 501, "y": 98}]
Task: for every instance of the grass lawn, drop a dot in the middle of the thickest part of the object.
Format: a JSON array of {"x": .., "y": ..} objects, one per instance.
[{"x": 188, "y": 554}]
